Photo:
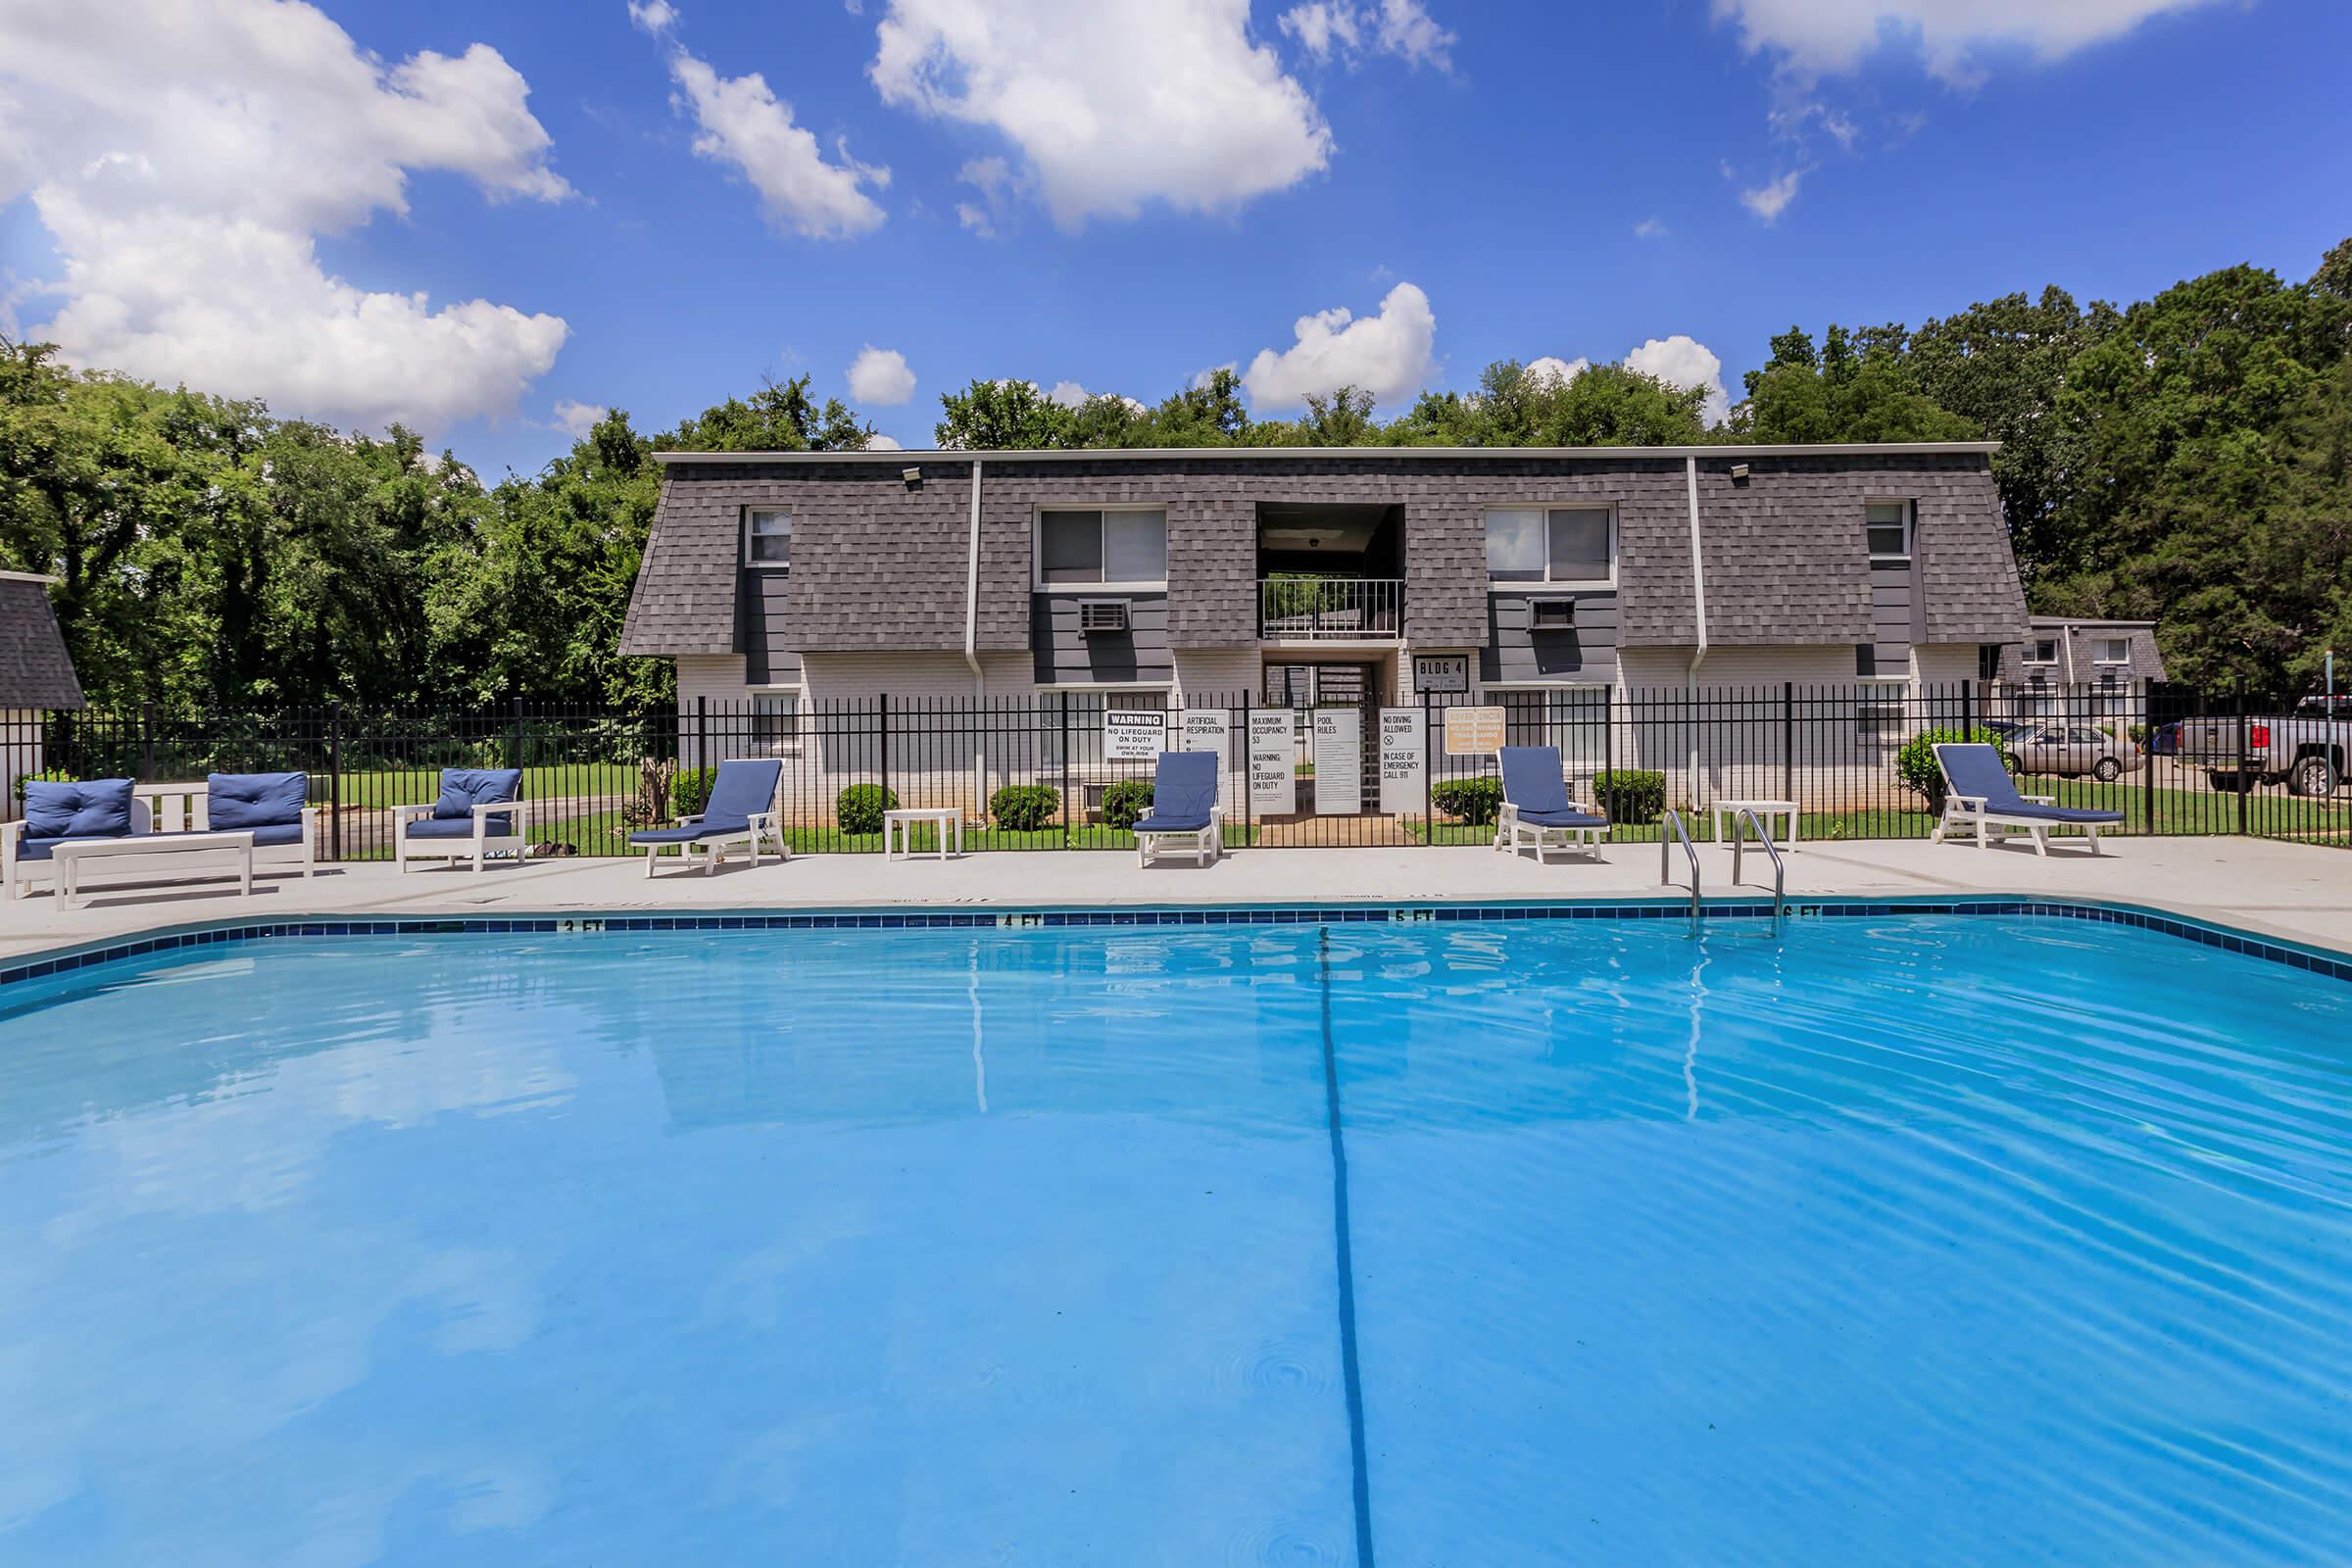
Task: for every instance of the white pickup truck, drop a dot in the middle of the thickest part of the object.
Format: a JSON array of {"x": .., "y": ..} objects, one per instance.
[{"x": 2307, "y": 749}]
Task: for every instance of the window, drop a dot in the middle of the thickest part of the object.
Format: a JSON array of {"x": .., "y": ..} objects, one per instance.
[
  {"x": 776, "y": 723},
  {"x": 2044, "y": 651},
  {"x": 2115, "y": 650},
  {"x": 767, "y": 538},
  {"x": 1989, "y": 661},
  {"x": 1557, "y": 543},
  {"x": 1103, "y": 547},
  {"x": 1888, "y": 525},
  {"x": 1883, "y": 713}
]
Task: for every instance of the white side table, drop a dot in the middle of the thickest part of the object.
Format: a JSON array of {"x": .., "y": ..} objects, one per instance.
[
  {"x": 1766, "y": 811},
  {"x": 947, "y": 818}
]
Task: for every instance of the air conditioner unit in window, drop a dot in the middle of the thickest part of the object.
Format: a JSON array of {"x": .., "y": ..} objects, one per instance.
[
  {"x": 1551, "y": 614},
  {"x": 1102, "y": 617}
]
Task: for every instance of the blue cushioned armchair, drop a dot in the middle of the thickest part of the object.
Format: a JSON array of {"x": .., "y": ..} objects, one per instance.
[{"x": 478, "y": 814}]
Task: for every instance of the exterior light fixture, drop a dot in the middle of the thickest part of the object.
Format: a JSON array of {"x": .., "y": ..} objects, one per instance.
[
  {"x": 1739, "y": 471},
  {"x": 912, "y": 477}
]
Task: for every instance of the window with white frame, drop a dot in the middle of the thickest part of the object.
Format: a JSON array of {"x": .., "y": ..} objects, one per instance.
[
  {"x": 767, "y": 538},
  {"x": 2042, "y": 651},
  {"x": 1883, "y": 713},
  {"x": 1118, "y": 546},
  {"x": 1571, "y": 545},
  {"x": 776, "y": 723},
  {"x": 1889, "y": 526},
  {"x": 1574, "y": 718},
  {"x": 2115, "y": 650}
]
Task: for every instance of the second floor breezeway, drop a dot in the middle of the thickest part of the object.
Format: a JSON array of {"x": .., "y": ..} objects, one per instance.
[{"x": 1330, "y": 574}]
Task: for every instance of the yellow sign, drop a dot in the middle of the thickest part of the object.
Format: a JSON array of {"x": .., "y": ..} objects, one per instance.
[{"x": 1472, "y": 731}]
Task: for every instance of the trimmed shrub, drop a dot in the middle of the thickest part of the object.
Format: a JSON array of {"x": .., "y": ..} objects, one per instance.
[
  {"x": 860, "y": 808},
  {"x": 1631, "y": 795},
  {"x": 1915, "y": 764},
  {"x": 1024, "y": 808},
  {"x": 1474, "y": 801},
  {"x": 1125, "y": 802},
  {"x": 689, "y": 790}
]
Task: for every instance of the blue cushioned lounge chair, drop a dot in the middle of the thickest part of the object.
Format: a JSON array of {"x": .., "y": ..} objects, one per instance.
[
  {"x": 1184, "y": 809},
  {"x": 742, "y": 806},
  {"x": 1535, "y": 809},
  {"x": 478, "y": 814},
  {"x": 1980, "y": 798}
]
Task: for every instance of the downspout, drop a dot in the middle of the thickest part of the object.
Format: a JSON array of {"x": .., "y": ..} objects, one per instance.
[
  {"x": 1698, "y": 595},
  {"x": 971, "y": 645}
]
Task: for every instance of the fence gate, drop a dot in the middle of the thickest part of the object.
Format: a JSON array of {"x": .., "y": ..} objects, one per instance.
[{"x": 1337, "y": 799}]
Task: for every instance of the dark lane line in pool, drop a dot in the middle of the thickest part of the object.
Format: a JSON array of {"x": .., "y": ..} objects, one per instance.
[{"x": 1350, "y": 1377}]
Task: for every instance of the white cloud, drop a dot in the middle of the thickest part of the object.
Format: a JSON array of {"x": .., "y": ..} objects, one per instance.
[
  {"x": 185, "y": 156},
  {"x": 992, "y": 179},
  {"x": 1771, "y": 198},
  {"x": 577, "y": 419},
  {"x": 1824, "y": 37},
  {"x": 1326, "y": 29},
  {"x": 1385, "y": 354},
  {"x": 1685, "y": 362},
  {"x": 880, "y": 376},
  {"x": 1408, "y": 33},
  {"x": 1550, "y": 367},
  {"x": 1650, "y": 228},
  {"x": 1071, "y": 395},
  {"x": 1321, "y": 28},
  {"x": 744, "y": 123},
  {"x": 878, "y": 442},
  {"x": 1111, "y": 104},
  {"x": 654, "y": 15}
]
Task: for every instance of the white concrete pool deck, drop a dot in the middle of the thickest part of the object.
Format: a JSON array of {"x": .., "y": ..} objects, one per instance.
[{"x": 2300, "y": 893}]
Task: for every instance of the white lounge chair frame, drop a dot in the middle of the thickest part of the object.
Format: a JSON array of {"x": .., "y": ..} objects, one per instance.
[
  {"x": 1515, "y": 835},
  {"x": 714, "y": 847},
  {"x": 482, "y": 845},
  {"x": 1202, "y": 844}
]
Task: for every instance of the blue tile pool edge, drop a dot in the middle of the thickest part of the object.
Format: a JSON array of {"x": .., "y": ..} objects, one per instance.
[{"x": 2273, "y": 950}]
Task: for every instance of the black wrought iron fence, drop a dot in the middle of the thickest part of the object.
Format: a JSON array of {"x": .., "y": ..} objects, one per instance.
[{"x": 1065, "y": 769}]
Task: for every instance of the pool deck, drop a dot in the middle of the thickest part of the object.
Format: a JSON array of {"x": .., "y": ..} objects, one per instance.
[{"x": 2296, "y": 892}]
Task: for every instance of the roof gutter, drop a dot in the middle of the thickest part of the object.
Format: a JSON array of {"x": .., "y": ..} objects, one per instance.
[
  {"x": 971, "y": 637},
  {"x": 1833, "y": 449},
  {"x": 1698, "y": 597}
]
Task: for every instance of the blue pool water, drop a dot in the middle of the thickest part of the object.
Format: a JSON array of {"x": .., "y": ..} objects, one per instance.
[{"x": 1932, "y": 1240}]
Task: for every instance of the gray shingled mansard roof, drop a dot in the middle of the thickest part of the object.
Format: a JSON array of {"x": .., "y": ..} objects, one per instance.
[
  {"x": 35, "y": 671},
  {"x": 2079, "y": 637},
  {"x": 880, "y": 564}
]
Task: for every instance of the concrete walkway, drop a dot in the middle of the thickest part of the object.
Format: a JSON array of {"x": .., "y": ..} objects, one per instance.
[{"x": 2296, "y": 892}]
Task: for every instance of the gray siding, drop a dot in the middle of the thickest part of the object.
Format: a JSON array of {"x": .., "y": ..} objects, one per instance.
[
  {"x": 879, "y": 567},
  {"x": 1515, "y": 652},
  {"x": 34, "y": 670},
  {"x": 1894, "y": 620},
  {"x": 1064, "y": 657},
  {"x": 769, "y": 655}
]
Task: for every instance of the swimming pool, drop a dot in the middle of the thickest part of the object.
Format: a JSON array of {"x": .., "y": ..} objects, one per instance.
[{"x": 1917, "y": 1238}]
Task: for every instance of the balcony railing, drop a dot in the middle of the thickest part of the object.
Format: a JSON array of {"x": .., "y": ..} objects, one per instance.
[{"x": 1329, "y": 609}]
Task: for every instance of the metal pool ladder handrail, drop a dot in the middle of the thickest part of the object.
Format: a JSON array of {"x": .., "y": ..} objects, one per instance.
[
  {"x": 1674, "y": 819},
  {"x": 1780, "y": 872}
]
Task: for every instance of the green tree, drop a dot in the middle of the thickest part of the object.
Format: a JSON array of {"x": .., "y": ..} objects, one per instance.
[
  {"x": 1001, "y": 416},
  {"x": 1857, "y": 387}
]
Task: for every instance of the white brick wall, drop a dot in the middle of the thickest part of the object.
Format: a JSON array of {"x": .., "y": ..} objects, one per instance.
[{"x": 1226, "y": 674}]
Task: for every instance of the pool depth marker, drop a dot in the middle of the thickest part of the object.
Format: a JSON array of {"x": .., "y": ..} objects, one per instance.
[{"x": 1348, "y": 1376}]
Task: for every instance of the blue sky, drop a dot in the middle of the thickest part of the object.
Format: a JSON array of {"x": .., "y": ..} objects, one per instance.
[{"x": 601, "y": 208}]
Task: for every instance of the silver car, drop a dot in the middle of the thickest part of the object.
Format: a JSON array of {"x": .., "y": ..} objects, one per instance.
[{"x": 2070, "y": 750}]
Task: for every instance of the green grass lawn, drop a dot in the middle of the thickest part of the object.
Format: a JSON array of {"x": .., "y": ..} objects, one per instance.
[
  {"x": 392, "y": 787},
  {"x": 2177, "y": 811}
]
